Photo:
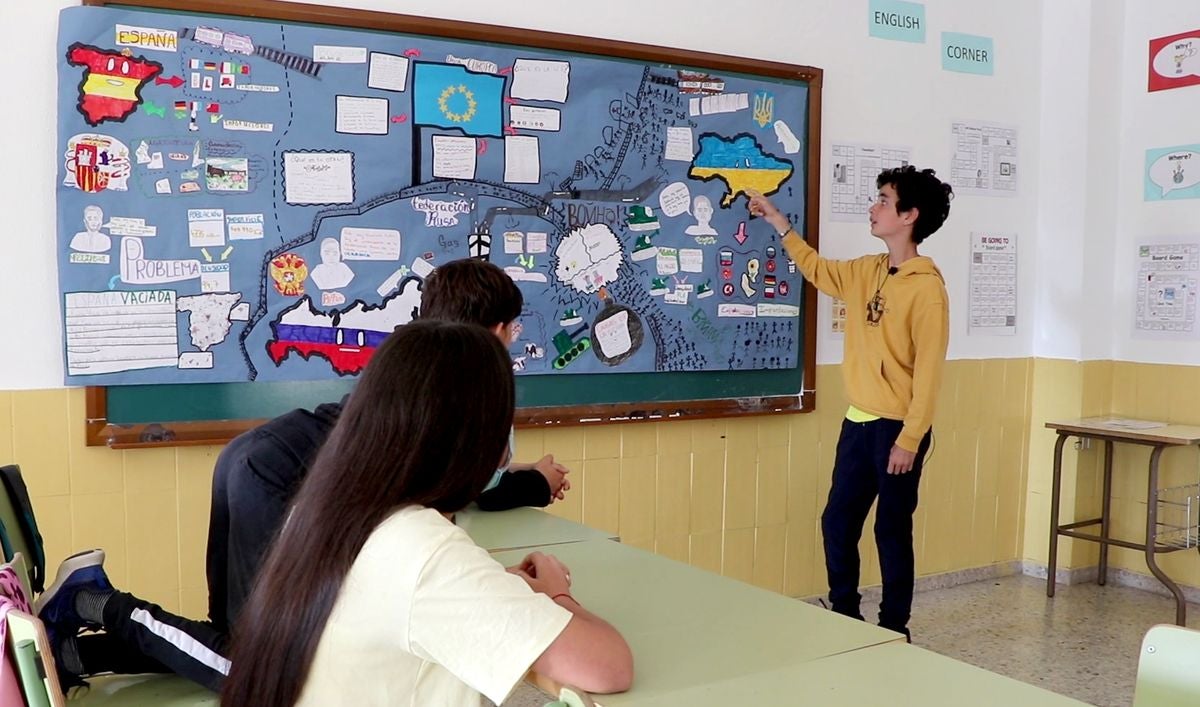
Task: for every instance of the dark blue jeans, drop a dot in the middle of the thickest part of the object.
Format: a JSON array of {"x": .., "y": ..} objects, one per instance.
[{"x": 859, "y": 475}]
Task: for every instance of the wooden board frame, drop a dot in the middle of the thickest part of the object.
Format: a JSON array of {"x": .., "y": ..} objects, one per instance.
[{"x": 100, "y": 432}]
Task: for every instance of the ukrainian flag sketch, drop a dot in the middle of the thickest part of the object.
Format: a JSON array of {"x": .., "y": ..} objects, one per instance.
[{"x": 450, "y": 96}]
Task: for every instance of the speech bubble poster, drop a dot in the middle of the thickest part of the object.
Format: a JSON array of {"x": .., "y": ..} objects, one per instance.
[
  {"x": 1175, "y": 61},
  {"x": 1173, "y": 173}
]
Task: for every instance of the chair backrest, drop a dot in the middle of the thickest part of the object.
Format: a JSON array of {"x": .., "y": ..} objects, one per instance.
[
  {"x": 18, "y": 526},
  {"x": 1167, "y": 668},
  {"x": 26, "y": 665}
]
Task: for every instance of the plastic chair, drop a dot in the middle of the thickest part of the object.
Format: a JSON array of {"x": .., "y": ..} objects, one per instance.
[
  {"x": 1167, "y": 673},
  {"x": 159, "y": 690}
]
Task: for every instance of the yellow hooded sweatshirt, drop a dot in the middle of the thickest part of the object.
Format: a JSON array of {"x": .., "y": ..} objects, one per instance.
[{"x": 893, "y": 365}]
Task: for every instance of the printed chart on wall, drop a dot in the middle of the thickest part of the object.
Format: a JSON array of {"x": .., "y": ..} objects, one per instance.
[
  {"x": 852, "y": 177},
  {"x": 1168, "y": 277},
  {"x": 985, "y": 158},
  {"x": 993, "y": 287},
  {"x": 247, "y": 200}
]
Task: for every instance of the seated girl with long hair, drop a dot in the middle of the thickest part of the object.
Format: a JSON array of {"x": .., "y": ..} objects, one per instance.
[{"x": 371, "y": 595}]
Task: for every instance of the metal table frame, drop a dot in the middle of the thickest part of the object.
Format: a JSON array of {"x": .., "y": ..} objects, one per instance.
[{"x": 1158, "y": 439}]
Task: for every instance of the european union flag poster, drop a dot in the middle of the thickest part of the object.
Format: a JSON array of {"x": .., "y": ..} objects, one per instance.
[{"x": 451, "y": 96}]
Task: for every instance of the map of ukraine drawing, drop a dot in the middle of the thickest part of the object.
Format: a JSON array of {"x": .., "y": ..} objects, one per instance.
[{"x": 741, "y": 163}]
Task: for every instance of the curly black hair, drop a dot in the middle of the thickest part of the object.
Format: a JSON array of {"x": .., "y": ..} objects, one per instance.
[{"x": 922, "y": 190}]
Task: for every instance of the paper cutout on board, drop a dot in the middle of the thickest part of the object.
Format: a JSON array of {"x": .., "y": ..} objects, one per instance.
[
  {"x": 449, "y": 96},
  {"x": 318, "y": 178},
  {"x": 522, "y": 160},
  {"x": 243, "y": 227},
  {"x": 214, "y": 277},
  {"x": 741, "y": 163},
  {"x": 673, "y": 200},
  {"x": 112, "y": 82},
  {"x": 702, "y": 209},
  {"x": 196, "y": 360},
  {"x": 370, "y": 243},
  {"x": 210, "y": 317},
  {"x": 288, "y": 272},
  {"x": 478, "y": 65},
  {"x": 534, "y": 118},
  {"x": 679, "y": 144},
  {"x": 387, "y": 72},
  {"x": 346, "y": 339},
  {"x": 108, "y": 332},
  {"x": 230, "y": 174},
  {"x": 618, "y": 334},
  {"x": 454, "y": 157},
  {"x": 92, "y": 239},
  {"x": 326, "y": 54},
  {"x": 206, "y": 227},
  {"x": 361, "y": 115},
  {"x": 136, "y": 269},
  {"x": 541, "y": 80},
  {"x": 331, "y": 273},
  {"x": 163, "y": 40},
  {"x": 96, "y": 162},
  {"x": 588, "y": 258},
  {"x": 786, "y": 138}
]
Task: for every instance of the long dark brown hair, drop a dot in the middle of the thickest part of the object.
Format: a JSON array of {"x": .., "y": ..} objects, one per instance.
[{"x": 426, "y": 425}]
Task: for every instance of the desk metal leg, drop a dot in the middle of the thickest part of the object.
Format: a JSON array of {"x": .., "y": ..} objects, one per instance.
[
  {"x": 1152, "y": 539},
  {"x": 1055, "y": 497},
  {"x": 1105, "y": 512}
]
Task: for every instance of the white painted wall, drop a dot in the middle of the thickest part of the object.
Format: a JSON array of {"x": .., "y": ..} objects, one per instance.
[
  {"x": 875, "y": 90},
  {"x": 1150, "y": 120}
]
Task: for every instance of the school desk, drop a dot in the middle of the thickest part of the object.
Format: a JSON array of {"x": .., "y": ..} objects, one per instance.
[
  {"x": 144, "y": 691},
  {"x": 689, "y": 627},
  {"x": 1179, "y": 530},
  {"x": 522, "y": 528},
  {"x": 886, "y": 674}
]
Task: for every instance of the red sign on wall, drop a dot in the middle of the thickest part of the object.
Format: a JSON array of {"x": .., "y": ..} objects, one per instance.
[{"x": 1175, "y": 61}]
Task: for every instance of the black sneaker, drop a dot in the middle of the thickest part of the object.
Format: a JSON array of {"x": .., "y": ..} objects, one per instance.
[{"x": 56, "y": 605}]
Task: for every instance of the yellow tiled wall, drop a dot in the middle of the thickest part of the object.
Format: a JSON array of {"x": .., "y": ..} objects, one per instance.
[
  {"x": 1064, "y": 389},
  {"x": 740, "y": 496}
]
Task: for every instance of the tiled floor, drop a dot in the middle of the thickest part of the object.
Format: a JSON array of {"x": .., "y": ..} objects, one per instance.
[{"x": 1083, "y": 643}]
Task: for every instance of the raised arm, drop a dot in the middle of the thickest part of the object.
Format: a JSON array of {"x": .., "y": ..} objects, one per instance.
[{"x": 828, "y": 276}]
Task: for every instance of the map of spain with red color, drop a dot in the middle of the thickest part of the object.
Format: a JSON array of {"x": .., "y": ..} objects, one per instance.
[{"x": 112, "y": 82}]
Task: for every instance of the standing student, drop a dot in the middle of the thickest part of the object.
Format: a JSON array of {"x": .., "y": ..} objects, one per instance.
[
  {"x": 256, "y": 476},
  {"x": 371, "y": 595},
  {"x": 897, "y": 329}
]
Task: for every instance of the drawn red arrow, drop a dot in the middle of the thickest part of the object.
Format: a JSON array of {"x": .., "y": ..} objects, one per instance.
[
  {"x": 510, "y": 130},
  {"x": 510, "y": 100},
  {"x": 505, "y": 71},
  {"x": 481, "y": 146},
  {"x": 172, "y": 81},
  {"x": 741, "y": 234},
  {"x": 412, "y": 52},
  {"x": 400, "y": 118}
]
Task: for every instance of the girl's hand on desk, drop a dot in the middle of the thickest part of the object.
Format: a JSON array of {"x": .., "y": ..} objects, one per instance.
[{"x": 544, "y": 573}]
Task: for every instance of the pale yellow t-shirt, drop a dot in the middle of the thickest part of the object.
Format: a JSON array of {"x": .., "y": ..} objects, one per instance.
[{"x": 426, "y": 617}]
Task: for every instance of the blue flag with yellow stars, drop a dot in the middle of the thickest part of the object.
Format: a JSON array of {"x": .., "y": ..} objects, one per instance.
[{"x": 450, "y": 96}]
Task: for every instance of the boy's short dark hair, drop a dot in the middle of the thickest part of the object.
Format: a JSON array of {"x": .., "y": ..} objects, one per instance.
[
  {"x": 922, "y": 190},
  {"x": 472, "y": 291}
]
